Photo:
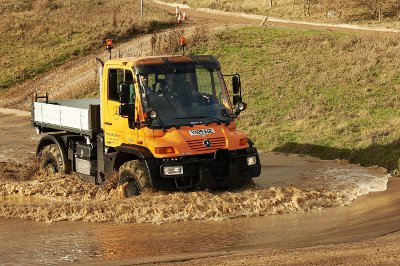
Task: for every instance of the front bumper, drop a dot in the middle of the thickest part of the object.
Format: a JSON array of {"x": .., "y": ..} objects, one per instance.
[{"x": 224, "y": 168}]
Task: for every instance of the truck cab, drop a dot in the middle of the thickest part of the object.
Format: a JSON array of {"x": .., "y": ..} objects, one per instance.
[{"x": 165, "y": 122}]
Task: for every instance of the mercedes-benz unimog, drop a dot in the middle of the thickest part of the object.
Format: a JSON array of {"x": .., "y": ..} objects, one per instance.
[{"x": 162, "y": 122}]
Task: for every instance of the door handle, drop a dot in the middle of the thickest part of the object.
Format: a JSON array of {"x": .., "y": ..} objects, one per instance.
[{"x": 108, "y": 123}]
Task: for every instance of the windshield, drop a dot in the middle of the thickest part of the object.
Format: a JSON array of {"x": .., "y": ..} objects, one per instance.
[{"x": 187, "y": 96}]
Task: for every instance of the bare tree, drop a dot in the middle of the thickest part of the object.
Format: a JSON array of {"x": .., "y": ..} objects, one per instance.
[
  {"x": 398, "y": 9},
  {"x": 375, "y": 6},
  {"x": 306, "y": 7}
]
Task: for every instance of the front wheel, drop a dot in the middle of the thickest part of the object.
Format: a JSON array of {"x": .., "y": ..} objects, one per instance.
[{"x": 134, "y": 178}]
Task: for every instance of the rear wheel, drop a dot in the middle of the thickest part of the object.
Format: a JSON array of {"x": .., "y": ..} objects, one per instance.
[
  {"x": 134, "y": 178},
  {"x": 51, "y": 160}
]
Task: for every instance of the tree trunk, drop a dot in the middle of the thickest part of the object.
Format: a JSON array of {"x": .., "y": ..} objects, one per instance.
[
  {"x": 306, "y": 7},
  {"x": 398, "y": 9}
]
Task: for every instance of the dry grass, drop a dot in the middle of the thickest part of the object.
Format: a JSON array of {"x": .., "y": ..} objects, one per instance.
[
  {"x": 168, "y": 42},
  {"x": 38, "y": 35}
]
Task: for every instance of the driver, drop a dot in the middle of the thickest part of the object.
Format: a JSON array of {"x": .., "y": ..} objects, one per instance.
[
  {"x": 144, "y": 84},
  {"x": 162, "y": 89}
]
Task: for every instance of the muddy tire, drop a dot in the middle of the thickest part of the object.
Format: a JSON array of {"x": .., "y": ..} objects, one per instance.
[
  {"x": 51, "y": 160},
  {"x": 134, "y": 178}
]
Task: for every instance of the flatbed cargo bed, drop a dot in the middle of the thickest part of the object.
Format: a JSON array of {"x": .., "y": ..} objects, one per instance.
[{"x": 79, "y": 116}]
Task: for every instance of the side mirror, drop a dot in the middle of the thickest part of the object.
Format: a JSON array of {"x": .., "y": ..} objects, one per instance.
[
  {"x": 124, "y": 93},
  {"x": 236, "y": 84},
  {"x": 236, "y": 99},
  {"x": 126, "y": 110}
]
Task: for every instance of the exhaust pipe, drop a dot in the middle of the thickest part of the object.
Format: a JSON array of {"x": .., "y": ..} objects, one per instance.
[{"x": 100, "y": 64}]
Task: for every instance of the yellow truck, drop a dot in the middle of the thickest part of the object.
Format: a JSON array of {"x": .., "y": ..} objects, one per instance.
[{"x": 162, "y": 122}]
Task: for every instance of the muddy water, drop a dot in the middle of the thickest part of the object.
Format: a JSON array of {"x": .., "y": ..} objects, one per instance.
[
  {"x": 160, "y": 227},
  {"x": 297, "y": 201},
  {"x": 310, "y": 184},
  {"x": 22, "y": 241}
]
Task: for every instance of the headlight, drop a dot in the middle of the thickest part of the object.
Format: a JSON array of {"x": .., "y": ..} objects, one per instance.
[
  {"x": 173, "y": 170},
  {"x": 251, "y": 160}
]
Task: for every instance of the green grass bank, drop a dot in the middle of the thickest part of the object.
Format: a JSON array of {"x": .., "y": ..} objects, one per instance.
[{"x": 330, "y": 95}]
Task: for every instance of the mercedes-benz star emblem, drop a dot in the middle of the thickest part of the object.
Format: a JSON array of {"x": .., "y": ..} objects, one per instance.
[{"x": 207, "y": 143}]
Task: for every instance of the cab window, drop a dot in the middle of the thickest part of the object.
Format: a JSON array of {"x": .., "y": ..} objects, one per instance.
[{"x": 115, "y": 79}]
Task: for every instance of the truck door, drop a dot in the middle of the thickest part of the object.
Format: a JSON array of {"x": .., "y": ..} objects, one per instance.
[{"x": 116, "y": 127}]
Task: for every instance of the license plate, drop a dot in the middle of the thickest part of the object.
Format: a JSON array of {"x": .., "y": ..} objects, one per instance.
[{"x": 201, "y": 132}]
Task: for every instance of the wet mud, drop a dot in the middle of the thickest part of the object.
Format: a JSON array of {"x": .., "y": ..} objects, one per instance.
[
  {"x": 296, "y": 202},
  {"x": 54, "y": 198}
]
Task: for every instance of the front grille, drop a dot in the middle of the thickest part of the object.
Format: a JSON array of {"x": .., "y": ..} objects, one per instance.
[{"x": 197, "y": 145}]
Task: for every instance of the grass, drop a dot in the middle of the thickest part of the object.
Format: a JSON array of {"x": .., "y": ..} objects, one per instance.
[
  {"x": 331, "y": 95},
  {"x": 38, "y": 35}
]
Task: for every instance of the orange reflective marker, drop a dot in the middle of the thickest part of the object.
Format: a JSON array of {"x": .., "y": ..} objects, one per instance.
[
  {"x": 164, "y": 150},
  {"x": 243, "y": 141},
  {"x": 179, "y": 18}
]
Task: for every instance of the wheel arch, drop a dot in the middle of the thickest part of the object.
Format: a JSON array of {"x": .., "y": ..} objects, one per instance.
[
  {"x": 127, "y": 153},
  {"x": 123, "y": 157},
  {"x": 53, "y": 139}
]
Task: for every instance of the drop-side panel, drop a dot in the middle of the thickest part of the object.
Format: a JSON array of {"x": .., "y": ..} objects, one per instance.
[{"x": 70, "y": 118}]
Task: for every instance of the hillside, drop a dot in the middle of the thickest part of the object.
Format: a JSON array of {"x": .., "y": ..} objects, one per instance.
[
  {"x": 384, "y": 13},
  {"x": 332, "y": 95},
  {"x": 38, "y": 35},
  {"x": 329, "y": 94}
]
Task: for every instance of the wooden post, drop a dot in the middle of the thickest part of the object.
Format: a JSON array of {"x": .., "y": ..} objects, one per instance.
[{"x": 141, "y": 9}]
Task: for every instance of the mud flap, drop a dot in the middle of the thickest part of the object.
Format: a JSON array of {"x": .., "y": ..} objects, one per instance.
[
  {"x": 206, "y": 181},
  {"x": 233, "y": 179}
]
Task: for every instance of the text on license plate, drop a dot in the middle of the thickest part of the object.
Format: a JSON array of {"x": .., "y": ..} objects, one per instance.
[{"x": 201, "y": 132}]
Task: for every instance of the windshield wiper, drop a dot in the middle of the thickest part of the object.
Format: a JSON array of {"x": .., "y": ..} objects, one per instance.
[{"x": 217, "y": 120}]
